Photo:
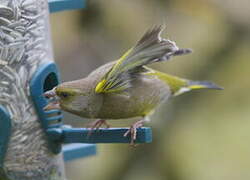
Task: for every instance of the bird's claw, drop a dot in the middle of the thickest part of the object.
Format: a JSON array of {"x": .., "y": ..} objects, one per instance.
[
  {"x": 96, "y": 125},
  {"x": 133, "y": 131}
]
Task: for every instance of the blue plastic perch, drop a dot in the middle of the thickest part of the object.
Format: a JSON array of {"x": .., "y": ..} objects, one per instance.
[{"x": 111, "y": 135}]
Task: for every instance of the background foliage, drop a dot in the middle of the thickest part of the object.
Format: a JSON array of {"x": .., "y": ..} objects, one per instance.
[{"x": 199, "y": 135}]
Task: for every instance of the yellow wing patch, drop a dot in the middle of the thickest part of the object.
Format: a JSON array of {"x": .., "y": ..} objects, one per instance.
[
  {"x": 99, "y": 87},
  {"x": 104, "y": 85}
]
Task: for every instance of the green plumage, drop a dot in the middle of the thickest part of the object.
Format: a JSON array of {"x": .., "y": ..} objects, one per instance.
[{"x": 126, "y": 88}]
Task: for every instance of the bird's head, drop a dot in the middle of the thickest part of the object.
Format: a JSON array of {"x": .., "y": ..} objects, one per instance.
[
  {"x": 63, "y": 97},
  {"x": 73, "y": 97}
]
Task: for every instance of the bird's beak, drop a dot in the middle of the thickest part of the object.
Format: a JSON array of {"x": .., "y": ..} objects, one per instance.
[
  {"x": 50, "y": 94},
  {"x": 54, "y": 100},
  {"x": 52, "y": 105}
]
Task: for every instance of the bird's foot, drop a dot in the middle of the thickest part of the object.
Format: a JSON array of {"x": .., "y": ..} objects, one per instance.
[
  {"x": 133, "y": 131},
  {"x": 96, "y": 125}
]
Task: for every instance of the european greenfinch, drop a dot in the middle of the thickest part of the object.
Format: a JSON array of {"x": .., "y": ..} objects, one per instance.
[{"x": 126, "y": 88}]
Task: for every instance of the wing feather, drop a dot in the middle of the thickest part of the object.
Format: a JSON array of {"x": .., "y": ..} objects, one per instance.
[{"x": 149, "y": 49}]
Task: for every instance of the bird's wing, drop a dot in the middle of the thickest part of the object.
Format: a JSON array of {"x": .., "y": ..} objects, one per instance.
[{"x": 149, "y": 49}]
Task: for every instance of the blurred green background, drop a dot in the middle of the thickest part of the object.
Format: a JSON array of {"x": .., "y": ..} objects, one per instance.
[{"x": 197, "y": 136}]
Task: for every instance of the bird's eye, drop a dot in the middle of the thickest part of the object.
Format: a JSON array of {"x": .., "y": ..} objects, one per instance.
[{"x": 64, "y": 95}]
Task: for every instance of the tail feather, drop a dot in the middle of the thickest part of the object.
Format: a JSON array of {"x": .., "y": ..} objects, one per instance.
[
  {"x": 203, "y": 85},
  {"x": 194, "y": 85}
]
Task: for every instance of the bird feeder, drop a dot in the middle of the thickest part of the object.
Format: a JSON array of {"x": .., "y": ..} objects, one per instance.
[{"x": 33, "y": 50}]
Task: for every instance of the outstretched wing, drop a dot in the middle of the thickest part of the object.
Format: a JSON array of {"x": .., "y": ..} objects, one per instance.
[{"x": 149, "y": 49}]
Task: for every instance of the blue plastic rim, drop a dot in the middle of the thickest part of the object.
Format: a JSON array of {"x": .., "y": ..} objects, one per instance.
[
  {"x": 46, "y": 78},
  {"x": 62, "y": 5},
  {"x": 5, "y": 132}
]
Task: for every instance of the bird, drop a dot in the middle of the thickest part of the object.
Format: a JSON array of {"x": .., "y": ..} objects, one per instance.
[{"x": 126, "y": 88}]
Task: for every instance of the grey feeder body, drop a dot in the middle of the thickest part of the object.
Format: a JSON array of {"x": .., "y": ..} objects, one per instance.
[{"x": 25, "y": 45}]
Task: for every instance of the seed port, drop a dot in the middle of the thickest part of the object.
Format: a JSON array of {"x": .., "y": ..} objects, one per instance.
[
  {"x": 53, "y": 118},
  {"x": 46, "y": 78},
  {"x": 50, "y": 82}
]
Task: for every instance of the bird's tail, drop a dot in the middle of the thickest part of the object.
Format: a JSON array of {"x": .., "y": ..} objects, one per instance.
[
  {"x": 195, "y": 85},
  {"x": 153, "y": 48}
]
